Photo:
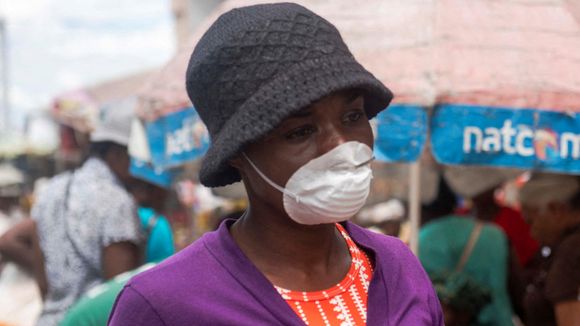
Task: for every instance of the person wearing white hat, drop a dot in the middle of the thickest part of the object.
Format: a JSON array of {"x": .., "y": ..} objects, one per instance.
[
  {"x": 454, "y": 249},
  {"x": 480, "y": 185},
  {"x": 84, "y": 223},
  {"x": 551, "y": 203}
]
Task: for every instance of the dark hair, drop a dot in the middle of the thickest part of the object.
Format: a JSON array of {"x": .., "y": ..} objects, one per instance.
[
  {"x": 444, "y": 204},
  {"x": 101, "y": 148},
  {"x": 460, "y": 292}
]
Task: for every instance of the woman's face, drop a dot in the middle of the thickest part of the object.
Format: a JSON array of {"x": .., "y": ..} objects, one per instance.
[{"x": 313, "y": 131}]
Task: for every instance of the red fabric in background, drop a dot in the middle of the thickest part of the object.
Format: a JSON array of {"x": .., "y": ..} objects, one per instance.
[{"x": 518, "y": 233}]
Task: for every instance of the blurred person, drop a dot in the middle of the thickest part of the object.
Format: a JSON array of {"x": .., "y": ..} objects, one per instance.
[
  {"x": 442, "y": 203},
  {"x": 16, "y": 243},
  {"x": 551, "y": 203},
  {"x": 461, "y": 297},
  {"x": 287, "y": 110},
  {"x": 461, "y": 252},
  {"x": 11, "y": 190},
  {"x": 480, "y": 185},
  {"x": 20, "y": 300},
  {"x": 11, "y": 186},
  {"x": 486, "y": 207},
  {"x": 151, "y": 199},
  {"x": 85, "y": 222},
  {"x": 93, "y": 308}
]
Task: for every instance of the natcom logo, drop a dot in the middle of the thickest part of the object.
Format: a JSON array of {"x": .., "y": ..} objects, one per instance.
[
  {"x": 546, "y": 145},
  {"x": 522, "y": 140},
  {"x": 191, "y": 135}
]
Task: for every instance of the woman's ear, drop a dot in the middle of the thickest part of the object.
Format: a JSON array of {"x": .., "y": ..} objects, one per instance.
[{"x": 237, "y": 162}]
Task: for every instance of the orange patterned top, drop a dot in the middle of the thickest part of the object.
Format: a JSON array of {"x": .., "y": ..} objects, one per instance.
[{"x": 344, "y": 303}]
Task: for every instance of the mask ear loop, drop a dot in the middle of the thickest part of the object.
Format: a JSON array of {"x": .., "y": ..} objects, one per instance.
[
  {"x": 364, "y": 163},
  {"x": 270, "y": 182}
]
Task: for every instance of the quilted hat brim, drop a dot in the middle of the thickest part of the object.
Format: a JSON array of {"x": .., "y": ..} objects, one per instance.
[{"x": 289, "y": 92}]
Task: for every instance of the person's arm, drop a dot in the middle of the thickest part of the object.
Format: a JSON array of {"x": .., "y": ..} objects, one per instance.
[
  {"x": 38, "y": 258},
  {"x": 120, "y": 257},
  {"x": 21, "y": 245},
  {"x": 568, "y": 313},
  {"x": 121, "y": 238},
  {"x": 16, "y": 245}
]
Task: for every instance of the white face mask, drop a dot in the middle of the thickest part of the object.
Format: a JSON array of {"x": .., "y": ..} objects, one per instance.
[{"x": 330, "y": 188}]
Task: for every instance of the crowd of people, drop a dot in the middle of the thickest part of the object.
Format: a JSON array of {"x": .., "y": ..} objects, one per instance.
[
  {"x": 294, "y": 129},
  {"x": 90, "y": 225}
]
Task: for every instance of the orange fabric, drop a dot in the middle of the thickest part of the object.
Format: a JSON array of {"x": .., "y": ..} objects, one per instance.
[{"x": 344, "y": 303}]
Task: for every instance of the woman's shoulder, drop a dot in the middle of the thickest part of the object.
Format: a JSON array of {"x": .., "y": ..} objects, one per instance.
[
  {"x": 392, "y": 256},
  {"x": 405, "y": 283},
  {"x": 494, "y": 232}
]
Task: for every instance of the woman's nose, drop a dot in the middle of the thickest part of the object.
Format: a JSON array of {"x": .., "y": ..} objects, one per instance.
[{"x": 331, "y": 137}]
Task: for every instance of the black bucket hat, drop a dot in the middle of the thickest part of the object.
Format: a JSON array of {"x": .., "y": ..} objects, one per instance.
[{"x": 257, "y": 65}]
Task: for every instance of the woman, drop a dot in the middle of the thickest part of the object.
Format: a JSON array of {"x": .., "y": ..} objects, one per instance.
[
  {"x": 287, "y": 108},
  {"x": 467, "y": 259},
  {"x": 551, "y": 204}
]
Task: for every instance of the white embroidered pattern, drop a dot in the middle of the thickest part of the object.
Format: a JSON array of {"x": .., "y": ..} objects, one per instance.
[
  {"x": 322, "y": 314},
  {"x": 364, "y": 278},
  {"x": 301, "y": 312},
  {"x": 342, "y": 311},
  {"x": 283, "y": 293},
  {"x": 358, "y": 302}
]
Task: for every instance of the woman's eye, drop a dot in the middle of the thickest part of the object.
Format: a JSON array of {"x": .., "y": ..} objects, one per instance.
[
  {"x": 300, "y": 132},
  {"x": 353, "y": 116}
]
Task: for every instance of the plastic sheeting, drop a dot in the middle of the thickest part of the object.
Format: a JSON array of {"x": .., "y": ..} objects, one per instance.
[
  {"x": 79, "y": 109},
  {"x": 519, "y": 54}
]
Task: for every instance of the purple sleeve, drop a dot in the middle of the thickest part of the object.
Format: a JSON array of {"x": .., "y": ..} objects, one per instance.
[
  {"x": 436, "y": 311},
  {"x": 131, "y": 308},
  {"x": 411, "y": 283},
  {"x": 421, "y": 278}
]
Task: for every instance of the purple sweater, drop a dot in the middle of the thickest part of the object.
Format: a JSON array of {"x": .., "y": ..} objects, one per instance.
[{"x": 212, "y": 282}]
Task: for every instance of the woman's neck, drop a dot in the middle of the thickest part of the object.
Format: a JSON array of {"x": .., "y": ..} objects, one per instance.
[{"x": 290, "y": 255}]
